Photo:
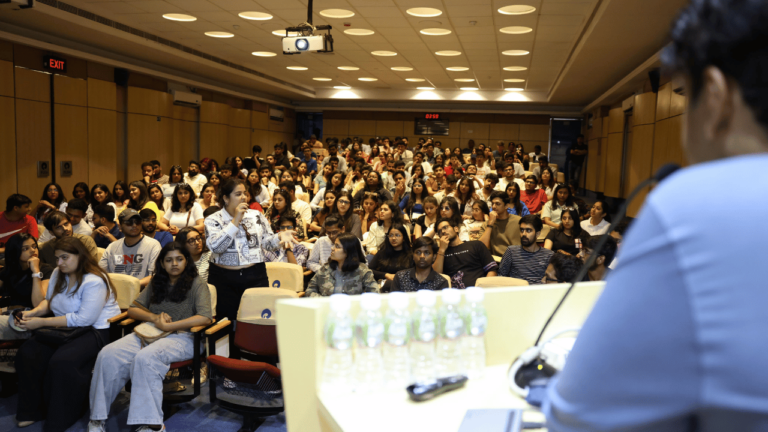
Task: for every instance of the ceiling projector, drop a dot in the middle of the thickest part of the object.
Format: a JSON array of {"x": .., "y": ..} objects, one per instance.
[{"x": 299, "y": 44}]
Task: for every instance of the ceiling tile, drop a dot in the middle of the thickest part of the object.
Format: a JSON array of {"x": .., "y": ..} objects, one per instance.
[{"x": 380, "y": 12}]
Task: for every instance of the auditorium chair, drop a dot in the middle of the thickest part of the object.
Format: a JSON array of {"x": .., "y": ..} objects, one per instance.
[
  {"x": 99, "y": 254},
  {"x": 252, "y": 388},
  {"x": 127, "y": 288},
  {"x": 285, "y": 276},
  {"x": 499, "y": 282},
  {"x": 560, "y": 177}
]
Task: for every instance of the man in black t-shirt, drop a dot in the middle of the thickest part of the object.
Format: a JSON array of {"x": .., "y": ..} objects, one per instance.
[
  {"x": 577, "y": 153},
  {"x": 464, "y": 262}
]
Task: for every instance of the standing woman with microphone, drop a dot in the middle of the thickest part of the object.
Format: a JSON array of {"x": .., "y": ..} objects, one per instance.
[{"x": 236, "y": 235}]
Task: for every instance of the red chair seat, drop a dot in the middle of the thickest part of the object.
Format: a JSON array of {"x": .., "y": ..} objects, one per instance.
[
  {"x": 181, "y": 364},
  {"x": 242, "y": 371},
  {"x": 11, "y": 344}
]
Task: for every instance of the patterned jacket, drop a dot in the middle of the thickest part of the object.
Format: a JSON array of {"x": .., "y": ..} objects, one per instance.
[{"x": 356, "y": 282}]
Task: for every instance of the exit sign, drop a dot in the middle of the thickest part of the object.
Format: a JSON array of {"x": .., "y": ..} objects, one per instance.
[{"x": 55, "y": 64}]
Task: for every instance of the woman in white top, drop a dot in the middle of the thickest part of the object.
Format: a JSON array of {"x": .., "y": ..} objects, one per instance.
[
  {"x": 184, "y": 210},
  {"x": 175, "y": 177},
  {"x": 561, "y": 200},
  {"x": 259, "y": 192},
  {"x": 596, "y": 224},
  {"x": 449, "y": 209},
  {"x": 53, "y": 199},
  {"x": 337, "y": 178},
  {"x": 465, "y": 196},
  {"x": 547, "y": 182},
  {"x": 208, "y": 196},
  {"x": 100, "y": 194},
  {"x": 195, "y": 244},
  {"x": 389, "y": 214},
  {"x": 54, "y": 378}
]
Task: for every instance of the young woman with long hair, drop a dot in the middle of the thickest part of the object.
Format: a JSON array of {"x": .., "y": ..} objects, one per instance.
[
  {"x": 345, "y": 271},
  {"x": 369, "y": 212},
  {"x": 395, "y": 255},
  {"x": 428, "y": 219},
  {"x": 258, "y": 191},
  {"x": 175, "y": 300},
  {"x": 389, "y": 214},
  {"x": 568, "y": 237},
  {"x": 477, "y": 225},
  {"x": 281, "y": 206},
  {"x": 417, "y": 173},
  {"x": 343, "y": 209},
  {"x": 184, "y": 211},
  {"x": 100, "y": 194},
  {"x": 329, "y": 203},
  {"x": 194, "y": 241},
  {"x": 155, "y": 193},
  {"x": 140, "y": 200},
  {"x": 515, "y": 206},
  {"x": 449, "y": 209},
  {"x": 561, "y": 200},
  {"x": 465, "y": 196},
  {"x": 599, "y": 219},
  {"x": 52, "y": 199},
  {"x": 81, "y": 191},
  {"x": 121, "y": 195},
  {"x": 547, "y": 182},
  {"x": 336, "y": 183},
  {"x": 175, "y": 177},
  {"x": 54, "y": 379},
  {"x": 208, "y": 196},
  {"x": 322, "y": 178},
  {"x": 413, "y": 203},
  {"x": 373, "y": 185},
  {"x": 215, "y": 179},
  {"x": 304, "y": 178}
]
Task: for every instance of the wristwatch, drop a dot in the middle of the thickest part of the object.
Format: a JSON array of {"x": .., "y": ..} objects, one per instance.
[{"x": 38, "y": 275}]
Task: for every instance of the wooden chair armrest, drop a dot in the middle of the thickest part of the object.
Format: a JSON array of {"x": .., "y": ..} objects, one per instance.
[
  {"x": 198, "y": 329},
  {"x": 218, "y": 326},
  {"x": 119, "y": 317},
  {"x": 302, "y": 294},
  {"x": 129, "y": 321}
]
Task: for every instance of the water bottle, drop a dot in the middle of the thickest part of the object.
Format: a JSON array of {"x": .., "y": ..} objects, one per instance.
[
  {"x": 397, "y": 333},
  {"x": 337, "y": 369},
  {"x": 369, "y": 331},
  {"x": 422, "y": 349},
  {"x": 473, "y": 342},
  {"x": 450, "y": 330}
]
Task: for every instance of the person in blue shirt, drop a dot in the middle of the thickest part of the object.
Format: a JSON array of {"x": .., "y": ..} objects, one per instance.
[
  {"x": 106, "y": 230},
  {"x": 675, "y": 342},
  {"x": 307, "y": 157},
  {"x": 149, "y": 228}
]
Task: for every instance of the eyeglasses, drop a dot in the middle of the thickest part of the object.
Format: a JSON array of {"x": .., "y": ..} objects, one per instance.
[
  {"x": 131, "y": 222},
  {"x": 286, "y": 227},
  {"x": 395, "y": 236},
  {"x": 192, "y": 241},
  {"x": 345, "y": 202}
]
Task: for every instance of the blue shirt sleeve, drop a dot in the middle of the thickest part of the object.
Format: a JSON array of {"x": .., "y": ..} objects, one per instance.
[
  {"x": 404, "y": 202},
  {"x": 525, "y": 210},
  {"x": 635, "y": 364}
]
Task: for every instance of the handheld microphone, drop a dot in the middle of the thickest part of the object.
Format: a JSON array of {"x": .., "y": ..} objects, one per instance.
[{"x": 529, "y": 367}]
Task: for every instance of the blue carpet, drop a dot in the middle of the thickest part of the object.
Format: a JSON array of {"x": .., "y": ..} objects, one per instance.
[{"x": 197, "y": 415}]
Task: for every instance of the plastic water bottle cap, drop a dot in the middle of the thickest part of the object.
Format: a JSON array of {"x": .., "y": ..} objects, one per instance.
[
  {"x": 398, "y": 300},
  {"x": 370, "y": 301},
  {"x": 426, "y": 298},
  {"x": 475, "y": 295},
  {"x": 340, "y": 302},
  {"x": 451, "y": 296}
]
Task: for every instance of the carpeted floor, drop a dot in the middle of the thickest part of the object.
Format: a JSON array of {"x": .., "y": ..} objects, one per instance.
[{"x": 198, "y": 415}]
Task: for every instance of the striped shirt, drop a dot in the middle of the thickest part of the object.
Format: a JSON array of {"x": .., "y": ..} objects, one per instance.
[{"x": 521, "y": 264}]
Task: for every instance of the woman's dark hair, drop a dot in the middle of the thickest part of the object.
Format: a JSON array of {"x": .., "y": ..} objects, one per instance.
[
  {"x": 86, "y": 264},
  {"x": 576, "y": 218},
  {"x": 273, "y": 214},
  {"x": 217, "y": 175},
  {"x": 213, "y": 163},
  {"x": 389, "y": 257},
  {"x": 325, "y": 210},
  {"x": 413, "y": 172},
  {"x": 454, "y": 206},
  {"x": 568, "y": 201},
  {"x": 606, "y": 210},
  {"x": 552, "y": 179},
  {"x": 175, "y": 168},
  {"x": 84, "y": 187},
  {"x": 176, "y": 204},
  {"x": 346, "y": 217},
  {"x": 412, "y": 197},
  {"x": 161, "y": 281},
  {"x": 126, "y": 191},
  {"x": 379, "y": 184},
  {"x": 462, "y": 198},
  {"x": 484, "y": 206},
  {"x": 102, "y": 187},
  {"x": 57, "y": 202},
  {"x": 351, "y": 246},
  {"x": 162, "y": 198},
  {"x": 206, "y": 186},
  {"x": 181, "y": 236},
  {"x": 13, "y": 251},
  {"x": 329, "y": 184},
  {"x": 566, "y": 266},
  {"x": 143, "y": 198},
  {"x": 515, "y": 202},
  {"x": 397, "y": 213},
  {"x": 226, "y": 189},
  {"x": 440, "y": 164}
]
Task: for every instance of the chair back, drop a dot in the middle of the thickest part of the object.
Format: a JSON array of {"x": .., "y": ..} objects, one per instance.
[
  {"x": 214, "y": 298},
  {"x": 256, "y": 321},
  {"x": 553, "y": 166},
  {"x": 127, "y": 289},
  {"x": 448, "y": 278},
  {"x": 99, "y": 253},
  {"x": 285, "y": 276},
  {"x": 560, "y": 177},
  {"x": 528, "y": 173},
  {"x": 499, "y": 281}
]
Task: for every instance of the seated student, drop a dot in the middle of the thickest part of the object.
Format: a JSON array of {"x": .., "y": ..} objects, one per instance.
[
  {"x": 15, "y": 219},
  {"x": 140, "y": 200},
  {"x": 53, "y": 199},
  {"x": 568, "y": 237},
  {"x": 464, "y": 262},
  {"x": 121, "y": 196},
  {"x": 76, "y": 210},
  {"x": 370, "y": 211},
  {"x": 155, "y": 192},
  {"x": 395, "y": 255},
  {"x": 596, "y": 224},
  {"x": 299, "y": 206},
  {"x": 528, "y": 261},
  {"x": 134, "y": 254},
  {"x": 259, "y": 191},
  {"x": 477, "y": 225},
  {"x": 562, "y": 268},
  {"x": 100, "y": 194},
  {"x": 389, "y": 214},
  {"x": 175, "y": 178},
  {"x": 489, "y": 185},
  {"x": 106, "y": 230},
  {"x": 448, "y": 187},
  {"x": 147, "y": 173},
  {"x": 422, "y": 275},
  {"x": 600, "y": 268},
  {"x": 503, "y": 228},
  {"x": 426, "y": 221},
  {"x": 544, "y": 164},
  {"x": 226, "y": 172},
  {"x": 401, "y": 188},
  {"x": 208, "y": 197},
  {"x": 561, "y": 200},
  {"x": 211, "y": 210},
  {"x": 58, "y": 224},
  {"x": 195, "y": 178},
  {"x": 82, "y": 192},
  {"x": 536, "y": 154},
  {"x": 533, "y": 198},
  {"x": 547, "y": 182},
  {"x": 157, "y": 173},
  {"x": 149, "y": 226},
  {"x": 184, "y": 210},
  {"x": 373, "y": 185},
  {"x": 515, "y": 206},
  {"x": 336, "y": 184},
  {"x": 54, "y": 380},
  {"x": 322, "y": 179},
  {"x": 295, "y": 253},
  {"x": 345, "y": 271},
  {"x": 333, "y": 225},
  {"x": 176, "y": 300},
  {"x": 329, "y": 202},
  {"x": 21, "y": 280},
  {"x": 193, "y": 240},
  {"x": 281, "y": 208},
  {"x": 343, "y": 209},
  {"x": 413, "y": 203}
]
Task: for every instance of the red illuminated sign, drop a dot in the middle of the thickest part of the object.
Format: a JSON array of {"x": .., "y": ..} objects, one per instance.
[
  {"x": 432, "y": 116},
  {"x": 54, "y": 64}
]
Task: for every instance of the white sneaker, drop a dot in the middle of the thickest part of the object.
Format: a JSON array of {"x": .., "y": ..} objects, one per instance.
[
  {"x": 96, "y": 426},
  {"x": 149, "y": 429}
]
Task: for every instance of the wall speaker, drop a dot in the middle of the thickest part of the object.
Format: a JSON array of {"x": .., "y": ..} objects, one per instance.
[
  {"x": 121, "y": 77},
  {"x": 655, "y": 77}
]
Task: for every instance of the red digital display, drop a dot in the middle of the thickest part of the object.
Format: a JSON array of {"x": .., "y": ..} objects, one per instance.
[
  {"x": 55, "y": 64},
  {"x": 432, "y": 116}
]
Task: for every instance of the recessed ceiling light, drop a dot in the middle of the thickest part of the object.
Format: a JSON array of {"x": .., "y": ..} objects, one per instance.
[
  {"x": 283, "y": 33},
  {"x": 424, "y": 12},
  {"x": 179, "y": 17},
  {"x": 367, "y": 79},
  {"x": 297, "y": 68},
  {"x": 514, "y": 89},
  {"x": 359, "y": 32},
  {"x": 384, "y": 53},
  {"x": 415, "y": 79},
  {"x": 321, "y": 79},
  {"x": 457, "y": 68},
  {"x": 469, "y": 88},
  {"x": 263, "y": 54},
  {"x": 425, "y": 88},
  {"x": 402, "y": 68},
  {"x": 337, "y": 13},
  {"x": 349, "y": 68},
  {"x": 448, "y": 53},
  {"x": 257, "y": 16},
  {"x": 515, "y": 52},
  {"x": 342, "y": 87},
  {"x": 514, "y": 80},
  {"x": 464, "y": 79},
  {"x": 516, "y": 30},
  {"x": 218, "y": 34},
  {"x": 517, "y": 10},
  {"x": 435, "y": 32},
  {"x": 515, "y": 68}
]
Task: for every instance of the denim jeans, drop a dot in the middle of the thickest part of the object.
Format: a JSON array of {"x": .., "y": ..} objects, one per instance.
[{"x": 146, "y": 367}]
